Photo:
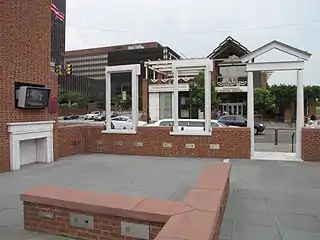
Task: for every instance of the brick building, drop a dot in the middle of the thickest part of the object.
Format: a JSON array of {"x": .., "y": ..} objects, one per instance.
[
  {"x": 25, "y": 57},
  {"x": 228, "y": 75}
]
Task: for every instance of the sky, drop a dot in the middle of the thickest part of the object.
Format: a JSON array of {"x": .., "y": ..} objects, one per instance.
[{"x": 195, "y": 27}]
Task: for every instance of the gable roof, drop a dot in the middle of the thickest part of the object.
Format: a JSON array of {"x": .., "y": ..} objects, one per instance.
[
  {"x": 279, "y": 46},
  {"x": 223, "y": 45}
]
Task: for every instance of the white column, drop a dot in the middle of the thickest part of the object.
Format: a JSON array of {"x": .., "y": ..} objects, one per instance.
[
  {"x": 175, "y": 107},
  {"x": 250, "y": 111},
  {"x": 207, "y": 100},
  {"x": 146, "y": 71},
  {"x": 300, "y": 114},
  {"x": 108, "y": 100},
  {"x": 134, "y": 99}
]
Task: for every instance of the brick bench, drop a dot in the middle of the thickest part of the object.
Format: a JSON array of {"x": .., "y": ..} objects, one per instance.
[{"x": 88, "y": 215}]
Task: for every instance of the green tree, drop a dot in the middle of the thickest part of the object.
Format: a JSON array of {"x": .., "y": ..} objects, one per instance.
[
  {"x": 68, "y": 97},
  {"x": 73, "y": 97},
  {"x": 196, "y": 88},
  {"x": 284, "y": 94},
  {"x": 82, "y": 101},
  {"x": 121, "y": 104},
  {"x": 264, "y": 100}
]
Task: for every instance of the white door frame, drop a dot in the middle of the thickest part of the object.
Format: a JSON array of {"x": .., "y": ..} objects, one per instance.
[
  {"x": 134, "y": 69},
  {"x": 297, "y": 65}
]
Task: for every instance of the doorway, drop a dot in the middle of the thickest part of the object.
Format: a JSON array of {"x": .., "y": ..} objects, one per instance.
[{"x": 233, "y": 108}]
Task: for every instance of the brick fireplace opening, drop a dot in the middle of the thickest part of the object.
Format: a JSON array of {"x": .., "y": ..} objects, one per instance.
[{"x": 30, "y": 142}]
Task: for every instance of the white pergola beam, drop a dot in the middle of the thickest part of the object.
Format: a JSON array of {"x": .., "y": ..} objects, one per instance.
[
  {"x": 275, "y": 66},
  {"x": 135, "y": 71}
]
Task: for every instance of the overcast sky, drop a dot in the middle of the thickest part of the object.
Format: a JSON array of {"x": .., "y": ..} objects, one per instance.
[{"x": 195, "y": 27}]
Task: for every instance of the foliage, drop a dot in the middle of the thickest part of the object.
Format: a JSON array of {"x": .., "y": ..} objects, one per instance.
[
  {"x": 74, "y": 105},
  {"x": 264, "y": 100},
  {"x": 284, "y": 94},
  {"x": 82, "y": 101},
  {"x": 196, "y": 88},
  {"x": 121, "y": 104},
  {"x": 64, "y": 105},
  {"x": 312, "y": 92},
  {"x": 70, "y": 98}
]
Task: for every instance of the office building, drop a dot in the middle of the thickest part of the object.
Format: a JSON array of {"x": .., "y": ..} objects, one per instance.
[
  {"x": 58, "y": 32},
  {"x": 92, "y": 62}
]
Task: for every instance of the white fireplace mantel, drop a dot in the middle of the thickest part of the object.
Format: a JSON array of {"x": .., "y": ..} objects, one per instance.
[{"x": 21, "y": 131}]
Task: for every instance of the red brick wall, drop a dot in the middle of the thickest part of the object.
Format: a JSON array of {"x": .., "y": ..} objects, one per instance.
[
  {"x": 105, "y": 227},
  {"x": 310, "y": 144},
  {"x": 25, "y": 57},
  {"x": 72, "y": 140},
  {"x": 234, "y": 142}
]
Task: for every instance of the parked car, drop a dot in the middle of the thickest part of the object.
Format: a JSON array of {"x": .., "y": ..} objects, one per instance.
[
  {"x": 90, "y": 116},
  {"x": 239, "y": 121},
  {"x": 313, "y": 124},
  {"x": 102, "y": 117},
  {"x": 71, "y": 117},
  {"x": 188, "y": 125},
  {"x": 123, "y": 122}
]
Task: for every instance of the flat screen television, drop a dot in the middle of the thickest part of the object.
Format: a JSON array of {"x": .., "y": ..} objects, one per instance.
[{"x": 33, "y": 97}]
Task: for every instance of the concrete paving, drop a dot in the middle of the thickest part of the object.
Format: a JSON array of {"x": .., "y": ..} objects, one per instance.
[
  {"x": 273, "y": 200},
  {"x": 268, "y": 199},
  {"x": 152, "y": 177},
  {"x": 270, "y": 147}
]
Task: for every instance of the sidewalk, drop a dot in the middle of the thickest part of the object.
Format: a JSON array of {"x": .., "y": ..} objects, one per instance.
[
  {"x": 270, "y": 147},
  {"x": 271, "y": 124}
]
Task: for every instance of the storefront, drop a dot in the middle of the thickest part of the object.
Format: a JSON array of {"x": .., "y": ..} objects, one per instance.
[{"x": 160, "y": 101}]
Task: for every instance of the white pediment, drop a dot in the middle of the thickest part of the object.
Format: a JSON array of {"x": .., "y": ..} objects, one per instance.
[{"x": 300, "y": 54}]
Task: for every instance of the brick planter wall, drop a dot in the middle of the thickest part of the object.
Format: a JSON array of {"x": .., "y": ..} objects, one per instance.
[
  {"x": 155, "y": 141},
  {"x": 310, "y": 144},
  {"x": 198, "y": 217}
]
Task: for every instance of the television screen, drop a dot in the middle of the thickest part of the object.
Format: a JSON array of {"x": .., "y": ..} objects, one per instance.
[{"x": 37, "y": 97}]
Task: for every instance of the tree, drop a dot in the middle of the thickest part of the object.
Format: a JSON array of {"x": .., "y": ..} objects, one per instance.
[
  {"x": 121, "y": 104},
  {"x": 73, "y": 97},
  {"x": 284, "y": 94},
  {"x": 196, "y": 88},
  {"x": 68, "y": 97},
  {"x": 264, "y": 100}
]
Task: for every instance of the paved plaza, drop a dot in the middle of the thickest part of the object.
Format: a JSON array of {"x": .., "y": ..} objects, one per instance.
[{"x": 268, "y": 199}]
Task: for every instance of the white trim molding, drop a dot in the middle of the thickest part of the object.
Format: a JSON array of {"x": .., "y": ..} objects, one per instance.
[
  {"x": 275, "y": 66},
  {"x": 20, "y": 131},
  {"x": 279, "y": 46},
  {"x": 135, "y": 71}
]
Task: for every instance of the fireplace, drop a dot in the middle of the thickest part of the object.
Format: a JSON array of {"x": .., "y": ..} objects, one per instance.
[{"x": 30, "y": 142}]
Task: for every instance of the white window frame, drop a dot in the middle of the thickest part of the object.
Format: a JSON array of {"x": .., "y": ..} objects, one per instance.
[
  {"x": 135, "y": 71},
  {"x": 198, "y": 65}
]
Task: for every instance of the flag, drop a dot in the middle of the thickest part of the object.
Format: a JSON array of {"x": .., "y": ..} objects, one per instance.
[{"x": 59, "y": 15}]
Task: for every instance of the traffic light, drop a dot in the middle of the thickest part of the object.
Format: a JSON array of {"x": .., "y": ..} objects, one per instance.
[
  {"x": 57, "y": 68},
  {"x": 69, "y": 69}
]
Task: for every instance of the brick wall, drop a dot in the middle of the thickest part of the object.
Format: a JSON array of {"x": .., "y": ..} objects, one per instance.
[
  {"x": 233, "y": 142},
  {"x": 48, "y": 209},
  {"x": 105, "y": 226},
  {"x": 25, "y": 57},
  {"x": 310, "y": 144}
]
